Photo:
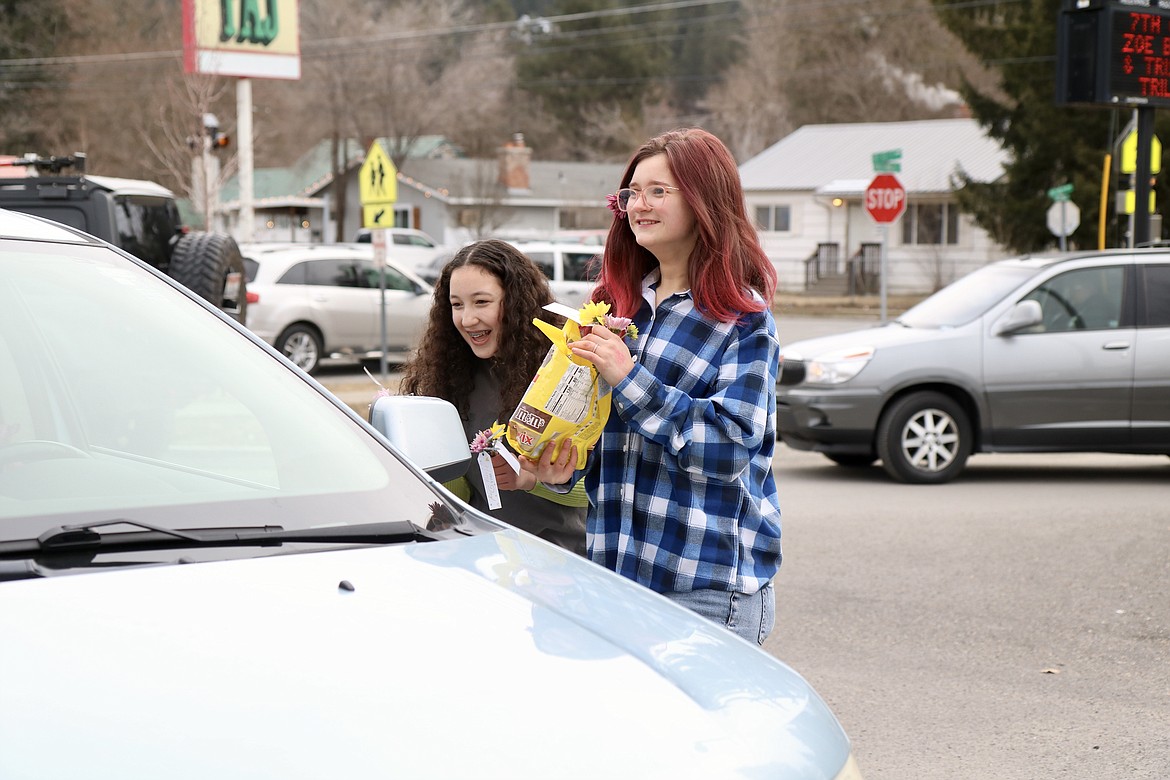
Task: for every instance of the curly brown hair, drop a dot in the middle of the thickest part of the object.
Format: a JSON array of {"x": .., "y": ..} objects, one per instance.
[{"x": 444, "y": 365}]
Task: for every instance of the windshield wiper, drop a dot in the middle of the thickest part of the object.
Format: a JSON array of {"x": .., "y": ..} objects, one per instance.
[{"x": 84, "y": 540}]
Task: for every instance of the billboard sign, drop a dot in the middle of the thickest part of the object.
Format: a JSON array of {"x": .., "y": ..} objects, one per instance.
[{"x": 247, "y": 38}]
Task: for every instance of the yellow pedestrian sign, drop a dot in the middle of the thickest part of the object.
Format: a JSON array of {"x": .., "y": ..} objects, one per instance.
[
  {"x": 1129, "y": 154},
  {"x": 378, "y": 188}
]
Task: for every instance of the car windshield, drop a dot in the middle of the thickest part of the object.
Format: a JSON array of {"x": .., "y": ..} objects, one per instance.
[
  {"x": 120, "y": 398},
  {"x": 967, "y": 298}
]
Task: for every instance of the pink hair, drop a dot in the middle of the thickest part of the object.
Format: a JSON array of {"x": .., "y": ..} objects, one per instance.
[{"x": 727, "y": 262}]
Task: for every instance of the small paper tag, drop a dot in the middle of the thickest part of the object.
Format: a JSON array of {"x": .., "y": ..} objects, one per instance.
[
  {"x": 563, "y": 310},
  {"x": 508, "y": 457},
  {"x": 489, "y": 480}
]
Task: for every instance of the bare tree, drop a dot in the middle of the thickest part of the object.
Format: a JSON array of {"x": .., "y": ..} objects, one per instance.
[
  {"x": 750, "y": 109},
  {"x": 404, "y": 69},
  {"x": 329, "y": 92},
  {"x": 488, "y": 214},
  {"x": 812, "y": 63},
  {"x": 179, "y": 137}
]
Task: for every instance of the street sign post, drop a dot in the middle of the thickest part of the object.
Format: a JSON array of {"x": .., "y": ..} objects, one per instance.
[
  {"x": 885, "y": 202},
  {"x": 888, "y": 161},
  {"x": 1064, "y": 217},
  {"x": 1061, "y": 193},
  {"x": 378, "y": 189}
]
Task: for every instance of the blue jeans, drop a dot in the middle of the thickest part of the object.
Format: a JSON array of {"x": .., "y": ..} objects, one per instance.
[{"x": 752, "y": 617}]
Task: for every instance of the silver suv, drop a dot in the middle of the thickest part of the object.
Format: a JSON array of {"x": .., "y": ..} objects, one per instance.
[
  {"x": 570, "y": 267},
  {"x": 1068, "y": 353},
  {"x": 316, "y": 302}
]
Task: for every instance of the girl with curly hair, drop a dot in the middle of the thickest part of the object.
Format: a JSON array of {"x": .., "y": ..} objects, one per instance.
[
  {"x": 680, "y": 484},
  {"x": 480, "y": 350}
]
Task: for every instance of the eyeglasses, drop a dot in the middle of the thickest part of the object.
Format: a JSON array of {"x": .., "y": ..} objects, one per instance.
[{"x": 653, "y": 195}]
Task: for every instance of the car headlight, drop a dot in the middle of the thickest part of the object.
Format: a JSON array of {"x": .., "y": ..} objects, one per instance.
[{"x": 833, "y": 368}]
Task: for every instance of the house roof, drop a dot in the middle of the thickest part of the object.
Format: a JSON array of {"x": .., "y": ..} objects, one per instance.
[
  {"x": 436, "y": 167},
  {"x": 299, "y": 183},
  {"x": 838, "y": 159},
  {"x": 560, "y": 183}
]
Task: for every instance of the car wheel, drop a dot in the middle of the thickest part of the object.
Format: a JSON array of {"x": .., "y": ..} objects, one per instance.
[
  {"x": 852, "y": 461},
  {"x": 302, "y": 345},
  {"x": 210, "y": 265},
  {"x": 924, "y": 438}
]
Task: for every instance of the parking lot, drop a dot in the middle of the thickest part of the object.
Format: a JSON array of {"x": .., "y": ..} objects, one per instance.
[{"x": 1012, "y": 624}]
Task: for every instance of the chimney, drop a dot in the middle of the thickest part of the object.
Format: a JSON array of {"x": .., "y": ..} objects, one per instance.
[{"x": 514, "y": 161}]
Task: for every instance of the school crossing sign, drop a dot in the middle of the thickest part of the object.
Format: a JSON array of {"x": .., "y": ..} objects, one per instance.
[{"x": 378, "y": 188}]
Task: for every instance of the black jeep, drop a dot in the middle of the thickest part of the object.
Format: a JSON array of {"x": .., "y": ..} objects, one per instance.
[{"x": 140, "y": 217}]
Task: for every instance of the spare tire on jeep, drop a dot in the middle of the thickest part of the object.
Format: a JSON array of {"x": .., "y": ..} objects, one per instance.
[{"x": 210, "y": 265}]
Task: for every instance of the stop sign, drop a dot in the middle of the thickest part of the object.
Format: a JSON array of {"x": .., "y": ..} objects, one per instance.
[{"x": 885, "y": 198}]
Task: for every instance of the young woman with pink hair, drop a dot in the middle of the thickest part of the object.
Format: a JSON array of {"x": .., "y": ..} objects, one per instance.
[{"x": 681, "y": 489}]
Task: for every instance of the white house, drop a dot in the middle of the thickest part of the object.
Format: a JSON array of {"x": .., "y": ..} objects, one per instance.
[
  {"x": 807, "y": 193},
  {"x": 451, "y": 197}
]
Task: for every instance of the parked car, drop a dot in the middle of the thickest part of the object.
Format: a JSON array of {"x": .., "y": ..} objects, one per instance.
[
  {"x": 1068, "y": 353},
  {"x": 570, "y": 267},
  {"x": 411, "y": 248},
  {"x": 324, "y": 301},
  {"x": 211, "y": 567},
  {"x": 141, "y": 217},
  {"x": 399, "y": 237},
  {"x": 429, "y": 271}
]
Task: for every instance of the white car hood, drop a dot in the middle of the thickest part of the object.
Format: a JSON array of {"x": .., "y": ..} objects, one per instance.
[{"x": 490, "y": 656}]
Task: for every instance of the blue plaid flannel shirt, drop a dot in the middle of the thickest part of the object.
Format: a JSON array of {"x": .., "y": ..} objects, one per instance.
[{"x": 680, "y": 483}]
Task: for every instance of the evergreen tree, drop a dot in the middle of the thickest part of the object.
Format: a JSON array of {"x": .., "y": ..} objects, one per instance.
[
  {"x": 708, "y": 40},
  {"x": 595, "y": 66},
  {"x": 29, "y": 29},
  {"x": 1049, "y": 144}
]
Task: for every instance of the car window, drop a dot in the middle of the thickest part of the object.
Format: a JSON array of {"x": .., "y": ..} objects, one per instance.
[
  {"x": 395, "y": 280},
  {"x": 145, "y": 226},
  {"x": 544, "y": 260},
  {"x": 579, "y": 266},
  {"x": 410, "y": 240},
  {"x": 250, "y": 269},
  {"x": 1084, "y": 299},
  {"x": 329, "y": 272},
  {"x": 170, "y": 416},
  {"x": 297, "y": 274},
  {"x": 967, "y": 298},
  {"x": 1156, "y": 295}
]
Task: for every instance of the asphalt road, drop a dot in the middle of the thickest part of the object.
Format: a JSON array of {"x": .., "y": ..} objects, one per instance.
[{"x": 1011, "y": 625}]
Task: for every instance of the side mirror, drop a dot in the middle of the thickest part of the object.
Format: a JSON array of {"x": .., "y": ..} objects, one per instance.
[
  {"x": 1023, "y": 315},
  {"x": 428, "y": 431}
]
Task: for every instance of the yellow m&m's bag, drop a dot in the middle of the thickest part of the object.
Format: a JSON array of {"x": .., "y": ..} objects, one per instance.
[{"x": 567, "y": 399}]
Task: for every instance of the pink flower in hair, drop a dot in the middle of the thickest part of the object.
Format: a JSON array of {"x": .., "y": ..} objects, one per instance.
[{"x": 611, "y": 203}]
